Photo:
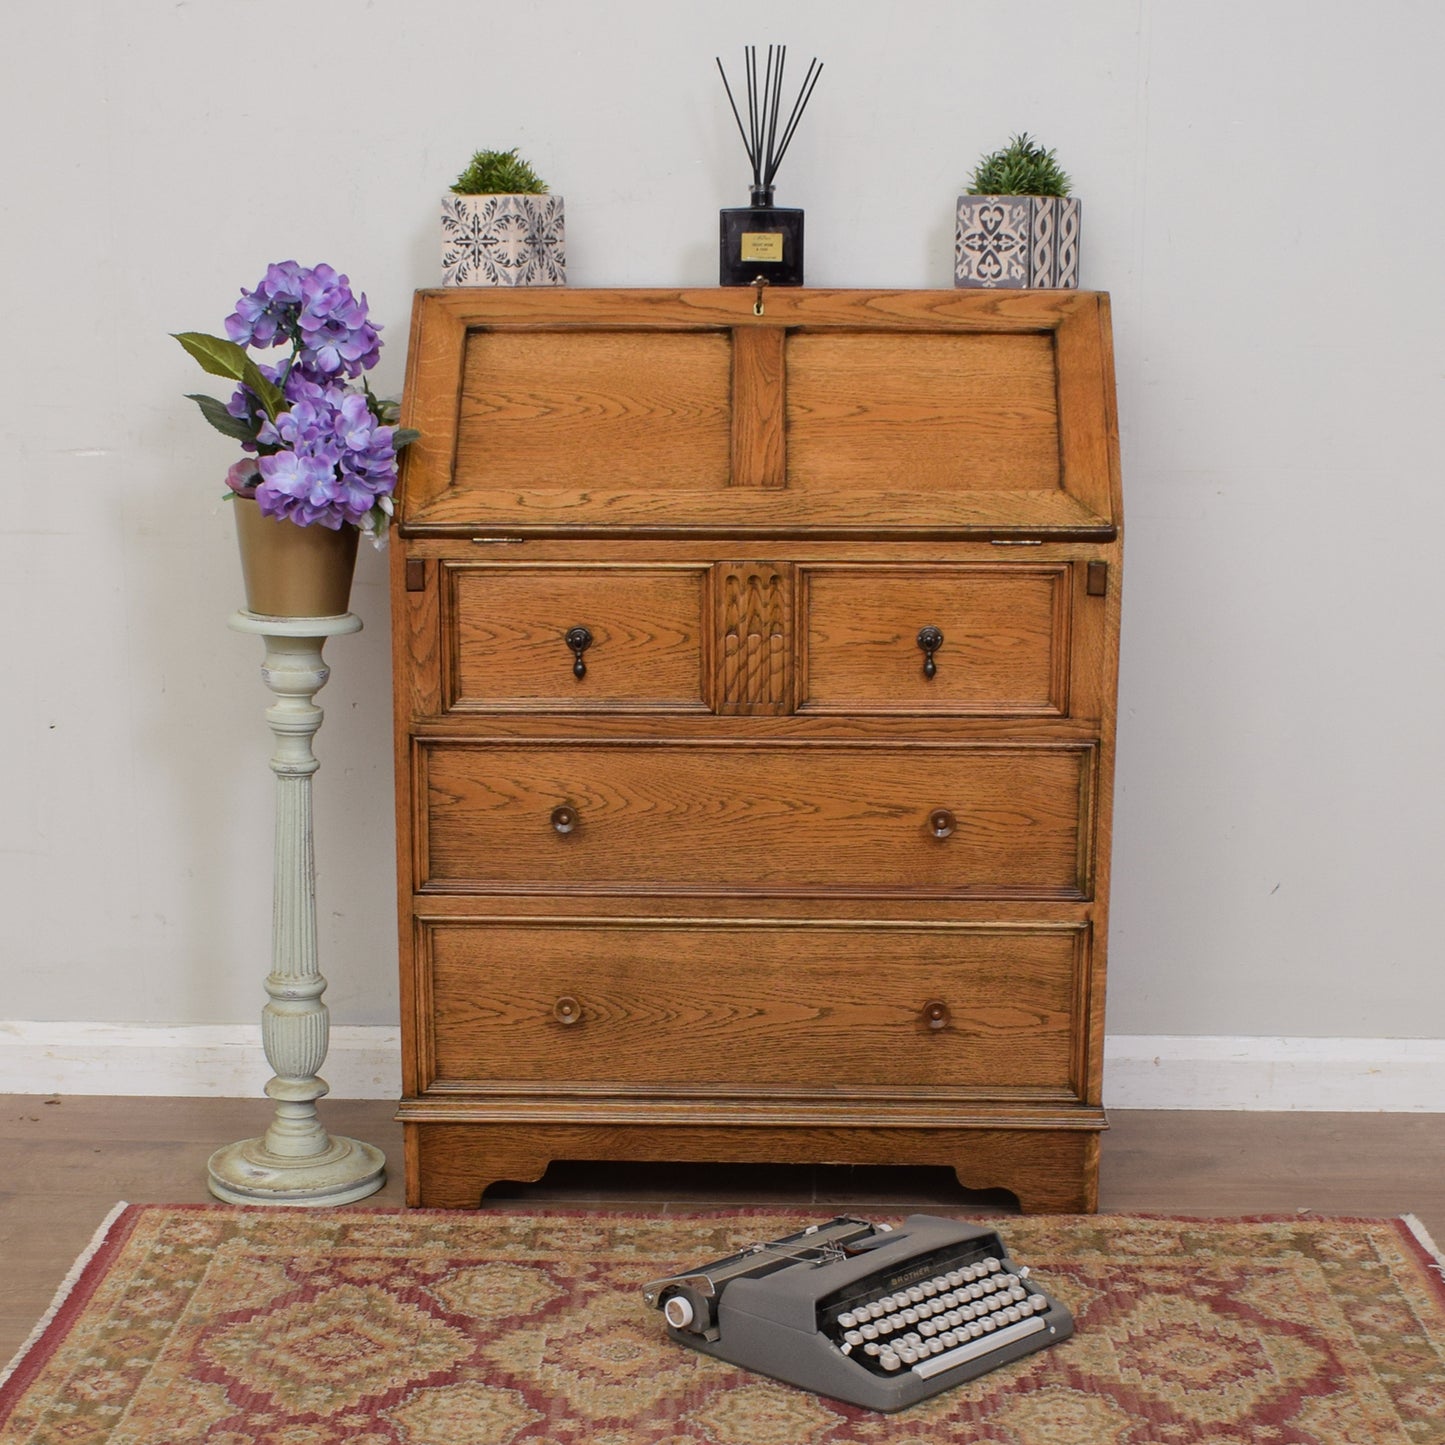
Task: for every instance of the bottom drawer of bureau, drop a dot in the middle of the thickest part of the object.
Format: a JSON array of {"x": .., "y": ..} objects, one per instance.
[{"x": 798, "y": 1005}]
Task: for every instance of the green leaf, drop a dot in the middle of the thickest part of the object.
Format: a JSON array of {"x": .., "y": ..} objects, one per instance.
[
  {"x": 404, "y": 436},
  {"x": 228, "y": 425},
  {"x": 267, "y": 392},
  {"x": 217, "y": 356},
  {"x": 224, "y": 358}
]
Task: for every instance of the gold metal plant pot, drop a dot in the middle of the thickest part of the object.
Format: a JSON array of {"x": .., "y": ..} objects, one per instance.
[{"x": 292, "y": 571}]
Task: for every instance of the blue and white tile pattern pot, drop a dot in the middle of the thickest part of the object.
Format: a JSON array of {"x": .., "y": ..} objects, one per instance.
[
  {"x": 512, "y": 240},
  {"x": 1017, "y": 241}
]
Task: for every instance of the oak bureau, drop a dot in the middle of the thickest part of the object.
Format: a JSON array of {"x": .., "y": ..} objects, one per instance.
[{"x": 755, "y": 669}]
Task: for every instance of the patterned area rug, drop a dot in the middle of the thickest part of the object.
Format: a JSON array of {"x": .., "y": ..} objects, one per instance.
[{"x": 211, "y": 1325}]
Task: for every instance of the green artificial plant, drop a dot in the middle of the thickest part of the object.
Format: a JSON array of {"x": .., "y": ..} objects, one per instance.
[
  {"x": 1021, "y": 168},
  {"x": 498, "y": 173}
]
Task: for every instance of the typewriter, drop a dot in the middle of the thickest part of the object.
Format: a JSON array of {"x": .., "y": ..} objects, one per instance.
[{"x": 865, "y": 1313}]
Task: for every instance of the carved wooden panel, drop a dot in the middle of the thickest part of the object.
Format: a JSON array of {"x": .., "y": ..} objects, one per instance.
[{"x": 753, "y": 611}]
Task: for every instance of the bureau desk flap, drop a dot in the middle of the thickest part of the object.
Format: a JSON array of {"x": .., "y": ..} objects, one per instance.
[
  {"x": 634, "y": 816},
  {"x": 851, "y": 413}
]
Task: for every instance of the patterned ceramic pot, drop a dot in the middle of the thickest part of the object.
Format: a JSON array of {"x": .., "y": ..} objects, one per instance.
[
  {"x": 1017, "y": 241},
  {"x": 512, "y": 240}
]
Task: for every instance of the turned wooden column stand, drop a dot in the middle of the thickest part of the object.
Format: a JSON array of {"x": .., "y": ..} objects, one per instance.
[{"x": 296, "y": 1161}]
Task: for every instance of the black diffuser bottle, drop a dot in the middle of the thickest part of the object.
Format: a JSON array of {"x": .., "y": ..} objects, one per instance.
[{"x": 761, "y": 241}]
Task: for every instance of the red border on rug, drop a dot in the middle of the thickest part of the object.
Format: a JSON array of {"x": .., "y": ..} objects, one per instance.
[{"x": 70, "y": 1300}]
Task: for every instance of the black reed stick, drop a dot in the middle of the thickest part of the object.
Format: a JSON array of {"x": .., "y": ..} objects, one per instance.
[{"x": 765, "y": 144}]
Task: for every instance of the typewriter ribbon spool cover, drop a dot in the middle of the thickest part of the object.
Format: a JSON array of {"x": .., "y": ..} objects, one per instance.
[{"x": 865, "y": 1313}]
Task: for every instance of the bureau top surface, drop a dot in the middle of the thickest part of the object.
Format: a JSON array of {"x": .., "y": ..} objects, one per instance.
[{"x": 738, "y": 412}]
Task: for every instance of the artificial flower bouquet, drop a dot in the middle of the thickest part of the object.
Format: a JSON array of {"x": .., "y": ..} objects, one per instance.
[{"x": 322, "y": 450}]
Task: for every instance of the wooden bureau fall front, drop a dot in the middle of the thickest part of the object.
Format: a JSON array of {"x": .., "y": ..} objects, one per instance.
[{"x": 755, "y": 667}]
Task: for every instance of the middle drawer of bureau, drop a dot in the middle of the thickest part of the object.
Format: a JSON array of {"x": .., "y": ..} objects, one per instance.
[
  {"x": 1002, "y": 820},
  {"x": 693, "y": 1003}
]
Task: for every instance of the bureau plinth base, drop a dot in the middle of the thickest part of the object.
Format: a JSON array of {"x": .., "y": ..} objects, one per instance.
[{"x": 1049, "y": 1170}]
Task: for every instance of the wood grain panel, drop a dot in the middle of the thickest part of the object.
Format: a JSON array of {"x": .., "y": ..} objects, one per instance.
[
  {"x": 507, "y": 625},
  {"x": 1005, "y": 647},
  {"x": 884, "y": 510},
  {"x": 759, "y": 445},
  {"x": 834, "y": 1008},
  {"x": 595, "y": 408},
  {"x": 653, "y": 309},
  {"x": 450, "y": 1163},
  {"x": 758, "y": 817},
  {"x": 922, "y": 412}
]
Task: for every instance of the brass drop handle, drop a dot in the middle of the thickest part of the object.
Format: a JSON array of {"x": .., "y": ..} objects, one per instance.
[
  {"x": 567, "y": 1010},
  {"x": 930, "y": 639},
  {"x": 579, "y": 639},
  {"x": 941, "y": 822},
  {"x": 936, "y": 1014},
  {"x": 564, "y": 818}
]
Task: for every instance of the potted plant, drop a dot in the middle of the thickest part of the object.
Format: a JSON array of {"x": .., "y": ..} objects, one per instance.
[
  {"x": 501, "y": 226},
  {"x": 1017, "y": 224},
  {"x": 321, "y": 463}
]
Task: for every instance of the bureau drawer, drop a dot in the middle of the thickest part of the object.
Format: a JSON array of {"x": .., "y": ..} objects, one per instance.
[
  {"x": 983, "y": 820},
  {"x": 573, "y": 638},
  {"x": 688, "y": 1003},
  {"x": 990, "y": 639}
]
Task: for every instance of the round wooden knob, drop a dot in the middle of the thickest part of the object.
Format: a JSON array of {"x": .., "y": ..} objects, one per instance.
[
  {"x": 567, "y": 1010},
  {"x": 564, "y": 818},
  {"x": 941, "y": 822},
  {"x": 936, "y": 1014}
]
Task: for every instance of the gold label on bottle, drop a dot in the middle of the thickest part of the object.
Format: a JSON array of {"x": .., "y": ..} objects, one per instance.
[{"x": 761, "y": 246}]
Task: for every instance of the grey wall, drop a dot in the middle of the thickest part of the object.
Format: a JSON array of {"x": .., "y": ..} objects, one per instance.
[{"x": 1261, "y": 197}]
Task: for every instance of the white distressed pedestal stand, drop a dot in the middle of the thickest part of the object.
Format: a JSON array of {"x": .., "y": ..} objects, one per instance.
[{"x": 296, "y": 1161}]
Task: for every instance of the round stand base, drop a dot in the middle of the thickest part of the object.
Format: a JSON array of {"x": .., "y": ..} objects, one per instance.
[{"x": 248, "y": 1173}]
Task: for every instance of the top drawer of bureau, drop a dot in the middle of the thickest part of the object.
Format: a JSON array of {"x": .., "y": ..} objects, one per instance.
[
  {"x": 985, "y": 639},
  {"x": 573, "y": 637},
  {"x": 669, "y": 631}
]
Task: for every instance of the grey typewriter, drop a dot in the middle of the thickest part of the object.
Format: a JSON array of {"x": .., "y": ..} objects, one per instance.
[{"x": 865, "y": 1313}]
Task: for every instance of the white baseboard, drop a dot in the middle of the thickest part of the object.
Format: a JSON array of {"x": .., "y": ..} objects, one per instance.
[
  {"x": 1145, "y": 1071},
  {"x": 213, "y": 1061},
  {"x": 1141, "y": 1071}
]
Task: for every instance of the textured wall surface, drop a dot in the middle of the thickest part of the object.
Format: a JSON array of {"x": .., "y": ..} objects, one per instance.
[{"x": 1258, "y": 197}]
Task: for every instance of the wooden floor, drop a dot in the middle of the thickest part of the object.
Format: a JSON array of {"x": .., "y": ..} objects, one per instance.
[{"x": 65, "y": 1162}]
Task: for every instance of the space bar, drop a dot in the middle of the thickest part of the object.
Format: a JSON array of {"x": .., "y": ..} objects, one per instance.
[{"x": 983, "y": 1345}]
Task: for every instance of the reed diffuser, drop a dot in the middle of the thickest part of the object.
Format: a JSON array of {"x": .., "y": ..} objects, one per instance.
[{"x": 761, "y": 241}]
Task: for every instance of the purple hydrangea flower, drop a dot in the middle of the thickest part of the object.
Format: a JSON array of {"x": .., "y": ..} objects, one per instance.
[
  {"x": 313, "y": 309},
  {"x": 332, "y": 461},
  {"x": 327, "y": 458},
  {"x": 334, "y": 332},
  {"x": 266, "y": 316}
]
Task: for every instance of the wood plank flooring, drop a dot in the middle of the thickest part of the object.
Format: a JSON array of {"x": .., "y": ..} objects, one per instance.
[{"x": 65, "y": 1162}]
